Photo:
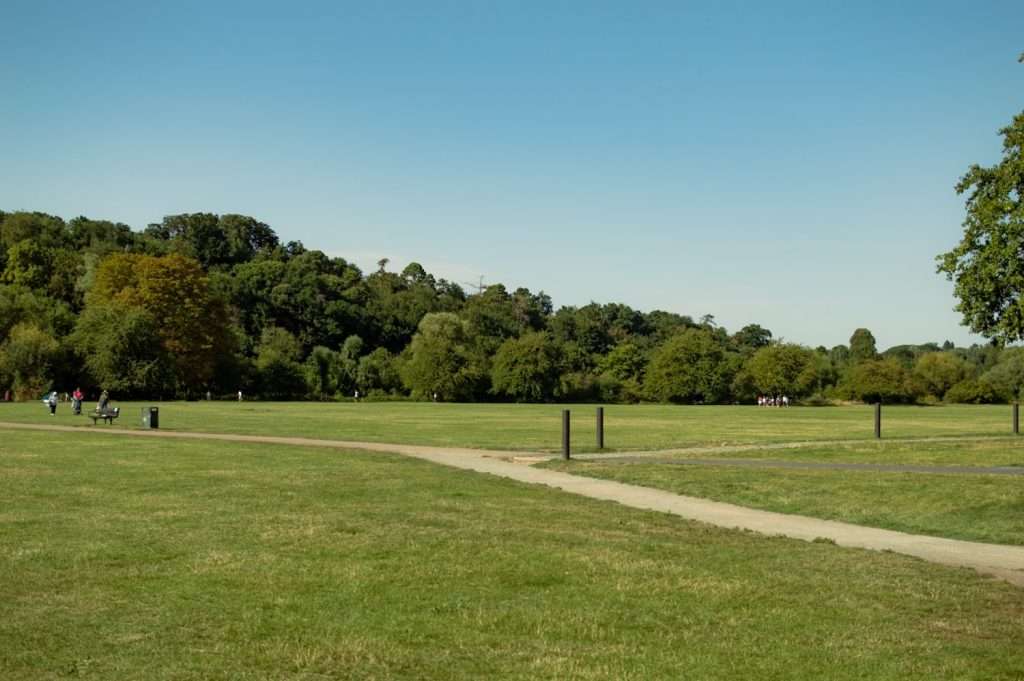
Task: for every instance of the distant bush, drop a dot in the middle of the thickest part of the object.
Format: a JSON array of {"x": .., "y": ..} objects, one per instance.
[
  {"x": 879, "y": 381},
  {"x": 973, "y": 391}
]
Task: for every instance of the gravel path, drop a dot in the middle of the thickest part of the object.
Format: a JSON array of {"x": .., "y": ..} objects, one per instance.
[{"x": 1005, "y": 562}]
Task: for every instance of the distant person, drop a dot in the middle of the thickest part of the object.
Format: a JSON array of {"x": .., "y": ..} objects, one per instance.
[
  {"x": 208, "y": 396},
  {"x": 52, "y": 402},
  {"x": 76, "y": 401},
  {"x": 357, "y": 395},
  {"x": 104, "y": 401},
  {"x": 7, "y": 396},
  {"x": 239, "y": 395}
]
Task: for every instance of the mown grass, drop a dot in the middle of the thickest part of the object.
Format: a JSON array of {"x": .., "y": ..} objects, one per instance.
[
  {"x": 980, "y": 451},
  {"x": 963, "y": 506},
  {"x": 538, "y": 427},
  {"x": 161, "y": 559}
]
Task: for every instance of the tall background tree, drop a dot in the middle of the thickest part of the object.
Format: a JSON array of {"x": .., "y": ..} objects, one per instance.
[{"x": 987, "y": 266}]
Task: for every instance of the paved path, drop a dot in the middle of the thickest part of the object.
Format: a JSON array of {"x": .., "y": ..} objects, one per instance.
[
  {"x": 822, "y": 465},
  {"x": 1005, "y": 562}
]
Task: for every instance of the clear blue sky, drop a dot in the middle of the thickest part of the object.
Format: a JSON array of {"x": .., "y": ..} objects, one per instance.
[{"x": 790, "y": 164}]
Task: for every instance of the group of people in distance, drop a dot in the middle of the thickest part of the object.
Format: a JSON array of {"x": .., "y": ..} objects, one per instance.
[
  {"x": 75, "y": 398},
  {"x": 772, "y": 401}
]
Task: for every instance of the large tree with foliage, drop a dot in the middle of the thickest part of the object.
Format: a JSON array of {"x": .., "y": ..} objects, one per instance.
[
  {"x": 987, "y": 266},
  {"x": 526, "y": 368},
  {"x": 1006, "y": 378},
  {"x": 123, "y": 351},
  {"x": 783, "y": 369},
  {"x": 26, "y": 358},
  {"x": 691, "y": 366},
  {"x": 440, "y": 360},
  {"x": 940, "y": 371},
  {"x": 878, "y": 380},
  {"x": 862, "y": 346},
  {"x": 190, "y": 322}
]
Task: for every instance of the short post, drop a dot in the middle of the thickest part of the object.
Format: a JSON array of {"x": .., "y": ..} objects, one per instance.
[
  {"x": 878, "y": 420},
  {"x": 600, "y": 427},
  {"x": 1016, "y": 418},
  {"x": 565, "y": 434}
]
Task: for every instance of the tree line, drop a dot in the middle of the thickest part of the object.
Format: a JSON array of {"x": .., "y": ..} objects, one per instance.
[{"x": 202, "y": 303}]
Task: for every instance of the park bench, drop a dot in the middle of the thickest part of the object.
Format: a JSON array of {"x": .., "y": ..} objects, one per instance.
[{"x": 108, "y": 415}]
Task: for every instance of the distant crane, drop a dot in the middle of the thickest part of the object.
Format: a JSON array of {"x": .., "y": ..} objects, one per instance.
[{"x": 480, "y": 288}]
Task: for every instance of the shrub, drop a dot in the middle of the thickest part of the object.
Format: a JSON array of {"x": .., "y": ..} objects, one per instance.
[{"x": 972, "y": 391}]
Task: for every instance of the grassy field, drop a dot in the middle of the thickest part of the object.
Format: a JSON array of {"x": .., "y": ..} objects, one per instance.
[
  {"x": 976, "y": 507},
  {"x": 978, "y": 451},
  {"x": 160, "y": 559},
  {"x": 538, "y": 427}
]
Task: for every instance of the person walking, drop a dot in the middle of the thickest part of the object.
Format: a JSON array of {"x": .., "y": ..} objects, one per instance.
[
  {"x": 52, "y": 402},
  {"x": 104, "y": 402},
  {"x": 76, "y": 402}
]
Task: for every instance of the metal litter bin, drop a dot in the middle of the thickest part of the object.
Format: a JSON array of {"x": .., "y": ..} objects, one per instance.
[{"x": 150, "y": 417}]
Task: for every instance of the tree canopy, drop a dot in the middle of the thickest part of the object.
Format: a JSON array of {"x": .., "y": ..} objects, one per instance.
[
  {"x": 202, "y": 302},
  {"x": 987, "y": 266}
]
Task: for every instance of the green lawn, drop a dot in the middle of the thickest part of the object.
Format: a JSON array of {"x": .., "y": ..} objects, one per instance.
[
  {"x": 538, "y": 427},
  {"x": 161, "y": 559},
  {"x": 982, "y": 451},
  {"x": 976, "y": 507}
]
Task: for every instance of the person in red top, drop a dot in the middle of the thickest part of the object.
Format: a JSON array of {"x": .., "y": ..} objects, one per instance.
[{"x": 76, "y": 401}]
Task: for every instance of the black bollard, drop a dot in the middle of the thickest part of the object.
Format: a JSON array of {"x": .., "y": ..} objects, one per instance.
[
  {"x": 600, "y": 427},
  {"x": 1016, "y": 418},
  {"x": 878, "y": 420},
  {"x": 565, "y": 434}
]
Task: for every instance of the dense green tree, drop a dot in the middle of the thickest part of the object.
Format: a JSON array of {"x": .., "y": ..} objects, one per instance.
[
  {"x": 395, "y": 304},
  {"x": 280, "y": 376},
  {"x": 215, "y": 240},
  {"x": 862, "y": 346},
  {"x": 783, "y": 369},
  {"x": 348, "y": 365},
  {"x": 940, "y": 371},
  {"x": 1006, "y": 378},
  {"x": 19, "y": 304},
  {"x": 492, "y": 317},
  {"x": 751, "y": 338},
  {"x": 907, "y": 355},
  {"x": 986, "y": 266},
  {"x": 980, "y": 357},
  {"x": 661, "y": 325},
  {"x": 440, "y": 360},
  {"x": 973, "y": 391},
  {"x": 878, "y": 380},
  {"x": 839, "y": 356},
  {"x": 526, "y": 368},
  {"x": 100, "y": 236},
  {"x": 691, "y": 366},
  {"x": 52, "y": 271},
  {"x": 378, "y": 373},
  {"x": 192, "y": 324},
  {"x": 45, "y": 230},
  {"x": 319, "y": 299},
  {"x": 321, "y": 370},
  {"x": 626, "y": 361},
  {"x": 27, "y": 357},
  {"x": 123, "y": 351}
]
